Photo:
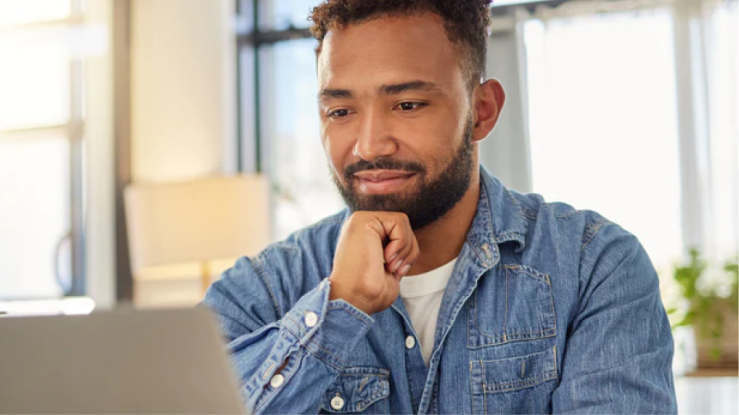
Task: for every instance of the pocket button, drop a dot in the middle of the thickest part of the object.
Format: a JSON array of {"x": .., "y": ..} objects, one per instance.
[
  {"x": 337, "y": 403},
  {"x": 311, "y": 319}
]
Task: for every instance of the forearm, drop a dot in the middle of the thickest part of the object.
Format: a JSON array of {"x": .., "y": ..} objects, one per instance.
[{"x": 287, "y": 366}]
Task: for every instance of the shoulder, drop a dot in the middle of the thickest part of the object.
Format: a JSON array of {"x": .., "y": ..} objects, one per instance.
[
  {"x": 565, "y": 222},
  {"x": 596, "y": 249}
]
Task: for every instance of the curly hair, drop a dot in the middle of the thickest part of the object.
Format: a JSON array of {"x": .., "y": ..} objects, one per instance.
[{"x": 466, "y": 23}]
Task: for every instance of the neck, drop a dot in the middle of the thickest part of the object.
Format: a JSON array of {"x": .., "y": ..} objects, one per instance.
[{"x": 442, "y": 241}]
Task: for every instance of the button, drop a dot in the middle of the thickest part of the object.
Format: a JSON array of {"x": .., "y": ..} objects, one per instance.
[
  {"x": 277, "y": 380},
  {"x": 311, "y": 319},
  {"x": 337, "y": 403},
  {"x": 410, "y": 342}
]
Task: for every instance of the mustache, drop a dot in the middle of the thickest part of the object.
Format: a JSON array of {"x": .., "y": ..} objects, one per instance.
[{"x": 383, "y": 164}]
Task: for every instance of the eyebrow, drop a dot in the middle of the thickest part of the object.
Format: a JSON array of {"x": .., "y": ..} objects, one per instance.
[
  {"x": 396, "y": 89},
  {"x": 390, "y": 89}
]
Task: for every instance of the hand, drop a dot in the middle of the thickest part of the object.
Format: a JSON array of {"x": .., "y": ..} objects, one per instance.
[{"x": 375, "y": 250}]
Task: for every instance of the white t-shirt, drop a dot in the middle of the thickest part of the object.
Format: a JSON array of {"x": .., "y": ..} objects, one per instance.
[{"x": 421, "y": 295}]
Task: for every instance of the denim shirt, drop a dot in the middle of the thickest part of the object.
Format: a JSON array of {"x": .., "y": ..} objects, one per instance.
[{"x": 549, "y": 310}]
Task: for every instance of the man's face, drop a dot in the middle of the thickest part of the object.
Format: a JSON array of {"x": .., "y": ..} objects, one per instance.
[{"x": 396, "y": 117}]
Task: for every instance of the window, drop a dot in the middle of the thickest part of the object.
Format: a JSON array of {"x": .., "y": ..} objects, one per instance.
[
  {"x": 281, "y": 14},
  {"x": 41, "y": 238},
  {"x": 603, "y": 121},
  {"x": 297, "y": 163},
  {"x": 287, "y": 127}
]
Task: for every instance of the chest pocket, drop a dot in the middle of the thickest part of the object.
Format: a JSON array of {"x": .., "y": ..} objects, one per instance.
[
  {"x": 520, "y": 384},
  {"x": 513, "y": 303},
  {"x": 358, "y": 390}
]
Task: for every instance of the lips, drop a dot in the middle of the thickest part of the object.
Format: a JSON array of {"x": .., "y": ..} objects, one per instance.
[
  {"x": 381, "y": 175},
  {"x": 382, "y": 181}
]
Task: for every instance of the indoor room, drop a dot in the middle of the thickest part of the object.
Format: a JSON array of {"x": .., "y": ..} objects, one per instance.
[{"x": 167, "y": 162}]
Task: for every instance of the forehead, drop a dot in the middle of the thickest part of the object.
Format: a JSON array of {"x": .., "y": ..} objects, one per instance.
[{"x": 389, "y": 50}]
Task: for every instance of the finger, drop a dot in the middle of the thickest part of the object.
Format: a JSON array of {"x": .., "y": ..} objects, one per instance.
[
  {"x": 402, "y": 250},
  {"x": 398, "y": 231},
  {"x": 411, "y": 258},
  {"x": 396, "y": 226}
]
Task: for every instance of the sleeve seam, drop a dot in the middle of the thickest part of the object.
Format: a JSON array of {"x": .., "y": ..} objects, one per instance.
[{"x": 599, "y": 224}]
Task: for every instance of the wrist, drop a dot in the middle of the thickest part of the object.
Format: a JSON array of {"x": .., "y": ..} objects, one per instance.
[{"x": 337, "y": 292}]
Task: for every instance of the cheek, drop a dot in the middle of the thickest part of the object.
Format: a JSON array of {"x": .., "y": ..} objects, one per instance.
[
  {"x": 337, "y": 151},
  {"x": 431, "y": 142}
]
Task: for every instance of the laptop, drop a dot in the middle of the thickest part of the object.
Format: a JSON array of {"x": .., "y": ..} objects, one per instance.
[{"x": 127, "y": 361}]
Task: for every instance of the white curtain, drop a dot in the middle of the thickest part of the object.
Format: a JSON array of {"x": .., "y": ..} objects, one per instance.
[
  {"x": 604, "y": 131},
  {"x": 708, "y": 57},
  {"x": 632, "y": 109}
]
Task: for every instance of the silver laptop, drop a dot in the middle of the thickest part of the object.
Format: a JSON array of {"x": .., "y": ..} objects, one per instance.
[{"x": 153, "y": 362}]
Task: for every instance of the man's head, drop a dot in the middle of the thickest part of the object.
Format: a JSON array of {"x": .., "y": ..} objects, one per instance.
[
  {"x": 402, "y": 106},
  {"x": 465, "y": 21}
]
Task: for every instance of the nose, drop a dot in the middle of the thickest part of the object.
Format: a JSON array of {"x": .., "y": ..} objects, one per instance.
[{"x": 374, "y": 138}]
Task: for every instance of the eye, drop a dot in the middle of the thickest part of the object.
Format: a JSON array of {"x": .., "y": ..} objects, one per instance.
[
  {"x": 410, "y": 106},
  {"x": 338, "y": 113}
]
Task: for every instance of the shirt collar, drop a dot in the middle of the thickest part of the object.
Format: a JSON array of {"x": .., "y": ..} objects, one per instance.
[{"x": 499, "y": 218}]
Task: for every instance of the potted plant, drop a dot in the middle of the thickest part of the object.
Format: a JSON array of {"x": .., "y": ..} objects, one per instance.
[{"x": 711, "y": 300}]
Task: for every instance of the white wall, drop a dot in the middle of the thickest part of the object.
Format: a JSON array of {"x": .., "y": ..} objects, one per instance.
[
  {"x": 183, "y": 114},
  {"x": 100, "y": 213},
  {"x": 182, "y": 89},
  {"x": 505, "y": 152}
]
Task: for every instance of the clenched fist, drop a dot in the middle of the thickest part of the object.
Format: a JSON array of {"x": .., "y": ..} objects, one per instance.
[{"x": 375, "y": 250}]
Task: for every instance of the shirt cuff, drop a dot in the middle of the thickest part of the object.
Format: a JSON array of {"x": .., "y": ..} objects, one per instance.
[{"x": 328, "y": 329}]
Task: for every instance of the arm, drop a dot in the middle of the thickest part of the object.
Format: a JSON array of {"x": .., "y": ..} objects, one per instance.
[
  {"x": 260, "y": 342},
  {"x": 286, "y": 361},
  {"x": 619, "y": 350}
]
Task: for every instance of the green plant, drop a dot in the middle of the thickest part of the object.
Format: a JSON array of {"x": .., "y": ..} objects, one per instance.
[{"x": 702, "y": 311}]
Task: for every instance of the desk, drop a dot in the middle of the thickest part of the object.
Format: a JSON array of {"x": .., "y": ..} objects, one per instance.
[{"x": 714, "y": 395}]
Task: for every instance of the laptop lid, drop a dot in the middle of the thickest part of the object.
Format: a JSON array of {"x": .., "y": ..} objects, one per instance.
[{"x": 127, "y": 361}]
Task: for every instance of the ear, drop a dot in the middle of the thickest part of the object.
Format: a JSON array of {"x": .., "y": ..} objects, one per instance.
[{"x": 488, "y": 101}]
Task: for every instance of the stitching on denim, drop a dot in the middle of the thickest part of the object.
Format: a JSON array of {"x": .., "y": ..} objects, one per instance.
[
  {"x": 381, "y": 393},
  {"x": 529, "y": 271},
  {"x": 313, "y": 343},
  {"x": 569, "y": 214},
  {"x": 514, "y": 201},
  {"x": 510, "y": 385},
  {"x": 359, "y": 375},
  {"x": 310, "y": 343},
  {"x": 592, "y": 230},
  {"x": 514, "y": 386},
  {"x": 257, "y": 263},
  {"x": 484, "y": 395},
  {"x": 433, "y": 363},
  {"x": 324, "y": 359},
  {"x": 505, "y": 318},
  {"x": 551, "y": 301},
  {"x": 514, "y": 337},
  {"x": 289, "y": 373},
  {"x": 509, "y": 337},
  {"x": 348, "y": 308},
  {"x": 530, "y": 214}
]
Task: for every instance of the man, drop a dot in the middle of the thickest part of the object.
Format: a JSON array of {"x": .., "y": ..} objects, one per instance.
[{"x": 439, "y": 290}]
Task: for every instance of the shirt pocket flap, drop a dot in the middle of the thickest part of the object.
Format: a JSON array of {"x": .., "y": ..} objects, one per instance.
[
  {"x": 356, "y": 389},
  {"x": 514, "y": 373}
]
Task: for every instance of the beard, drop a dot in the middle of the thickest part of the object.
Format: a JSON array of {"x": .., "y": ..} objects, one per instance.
[{"x": 432, "y": 198}]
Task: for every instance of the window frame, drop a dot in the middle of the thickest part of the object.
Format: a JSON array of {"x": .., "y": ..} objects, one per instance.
[{"x": 74, "y": 131}]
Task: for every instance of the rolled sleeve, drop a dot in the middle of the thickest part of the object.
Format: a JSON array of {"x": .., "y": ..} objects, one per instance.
[{"x": 338, "y": 327}]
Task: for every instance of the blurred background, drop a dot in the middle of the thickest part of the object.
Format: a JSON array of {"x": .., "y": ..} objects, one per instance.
[{"x": 129, "y": 127}]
